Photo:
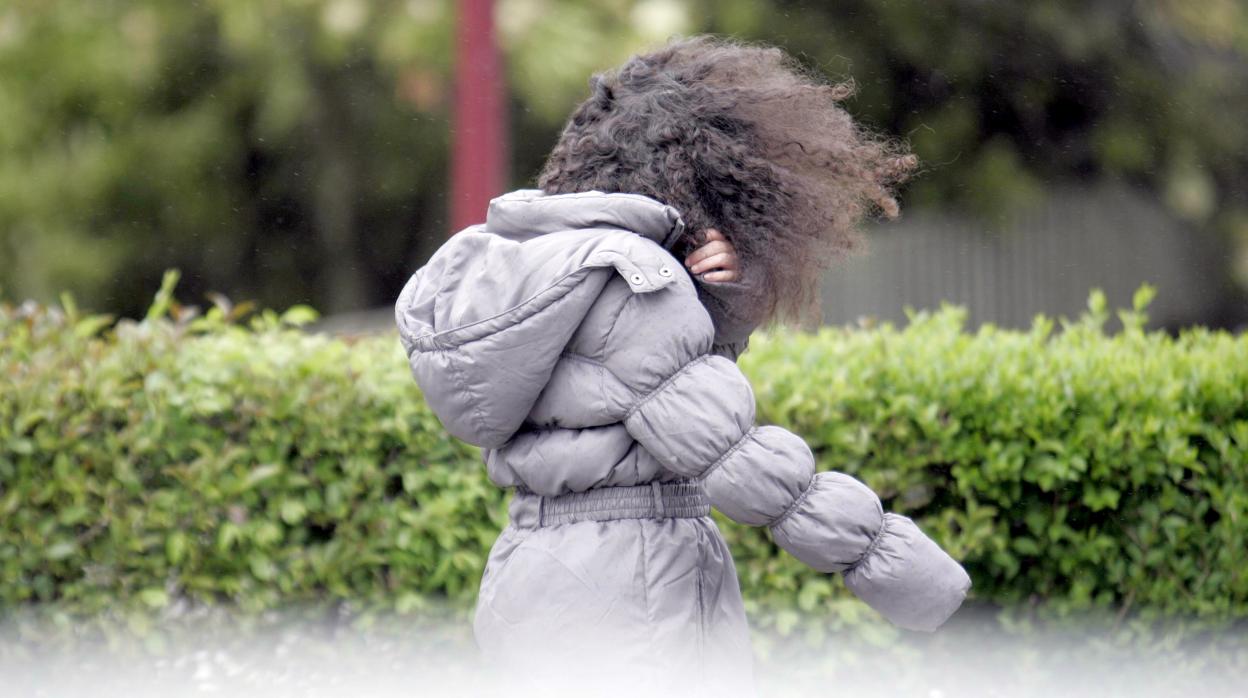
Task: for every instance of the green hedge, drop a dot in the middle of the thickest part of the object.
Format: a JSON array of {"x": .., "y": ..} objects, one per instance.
[{"x": 207, "y": 458}]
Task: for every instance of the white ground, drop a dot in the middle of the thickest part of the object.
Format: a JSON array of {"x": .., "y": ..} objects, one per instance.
[{"x": 972, "y": 657}]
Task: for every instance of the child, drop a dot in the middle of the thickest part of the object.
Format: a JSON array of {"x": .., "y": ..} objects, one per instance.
[{"x": 564, "y": 338}]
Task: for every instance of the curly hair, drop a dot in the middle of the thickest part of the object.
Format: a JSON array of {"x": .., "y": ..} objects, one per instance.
[{"x": 740, "y": 138}]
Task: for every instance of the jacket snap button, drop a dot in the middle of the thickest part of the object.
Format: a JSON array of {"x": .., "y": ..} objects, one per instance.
[
  {"x": 636, "y": 278},
  {"x": 664, "y": 271}
]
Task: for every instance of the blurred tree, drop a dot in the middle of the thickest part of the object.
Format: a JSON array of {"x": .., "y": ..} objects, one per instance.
[
  {"x": 1001, "y": 99},
  {"x": 295, "y": 150},
  {"x": 283, "y": 150}
]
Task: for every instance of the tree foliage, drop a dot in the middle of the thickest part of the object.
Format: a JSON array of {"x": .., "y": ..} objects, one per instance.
[{"x": 296, "y": 150}]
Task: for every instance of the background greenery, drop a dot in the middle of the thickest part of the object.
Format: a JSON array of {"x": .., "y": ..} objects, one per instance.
[
  {"x": 295, "y": 150},
  {"x": 203, "y": 458}
]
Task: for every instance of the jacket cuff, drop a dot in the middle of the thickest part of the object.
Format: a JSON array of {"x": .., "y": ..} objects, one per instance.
[
  {"x": 731, "y": 350},
  {"x": 726, "y": 302},
  {"x": 907, "y": 578}
]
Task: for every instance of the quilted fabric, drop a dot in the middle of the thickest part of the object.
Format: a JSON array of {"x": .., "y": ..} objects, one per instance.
[{"x": 564, "y": 339}]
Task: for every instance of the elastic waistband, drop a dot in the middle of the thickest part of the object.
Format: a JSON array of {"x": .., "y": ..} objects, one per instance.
[{"x": 684, "y": 499}]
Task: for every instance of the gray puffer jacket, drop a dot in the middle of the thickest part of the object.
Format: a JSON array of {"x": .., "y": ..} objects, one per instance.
[{"x": 599, "y": 379}]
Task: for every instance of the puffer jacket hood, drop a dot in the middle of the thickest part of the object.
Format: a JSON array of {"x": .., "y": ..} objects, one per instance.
[
  {"x": 564, "y": 339},
  {"x": 495, "y": 313}
]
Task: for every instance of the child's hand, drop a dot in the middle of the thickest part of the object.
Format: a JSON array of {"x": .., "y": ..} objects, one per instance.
[{"x": 716, "y": 254}]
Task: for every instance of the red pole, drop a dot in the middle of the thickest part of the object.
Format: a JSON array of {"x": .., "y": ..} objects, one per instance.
[{"x": 479, "y": 139}]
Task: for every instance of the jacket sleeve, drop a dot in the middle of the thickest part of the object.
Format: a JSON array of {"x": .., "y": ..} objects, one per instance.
[{"x": 700, "y": 423}]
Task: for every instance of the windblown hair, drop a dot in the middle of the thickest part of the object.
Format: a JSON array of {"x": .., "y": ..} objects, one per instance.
[{"x": 739, "y": 138}]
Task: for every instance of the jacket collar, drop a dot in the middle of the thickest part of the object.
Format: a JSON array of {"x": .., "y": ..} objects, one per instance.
[{"x": 527, "y": 213}]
